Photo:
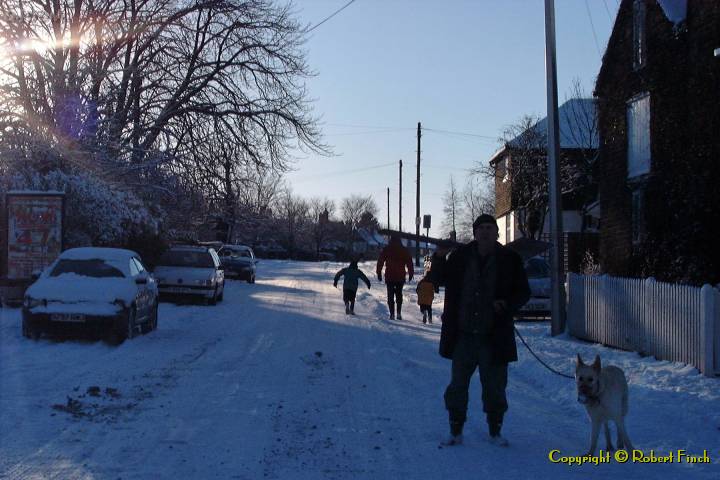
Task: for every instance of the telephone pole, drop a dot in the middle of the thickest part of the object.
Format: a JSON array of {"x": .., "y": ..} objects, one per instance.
[
  {"x": 417, "y": 202},
  {"x": 557, "y": 298},
  {"x": 388, "y": 207},
  {"x": 400, "y": 200}
]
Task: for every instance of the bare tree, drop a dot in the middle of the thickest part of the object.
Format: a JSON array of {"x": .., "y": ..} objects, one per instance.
[
  {"x": 583, "y": 131},
  {"x": 451, "y": 208},
  {"x": 292, "y": 211},
  {"x": 352, "y": 210},
  {"x": 110, "y": 83},
  {"x": 476, "y": 198},
  {"x": 321, "y": 212}
]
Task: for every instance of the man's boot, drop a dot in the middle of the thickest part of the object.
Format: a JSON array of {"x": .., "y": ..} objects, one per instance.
[
  {"x": 391, "y": 307},
  {"x": 494, "y": 427},
  {"x": 424, "y": 317},
  {"x": 347, "y": 308},
  {"x": 399, "y": 315},
  {"x": 456, "y": 437}
]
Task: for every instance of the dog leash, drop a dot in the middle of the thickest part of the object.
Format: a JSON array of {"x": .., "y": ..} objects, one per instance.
[{"x": 538, "y": 358}]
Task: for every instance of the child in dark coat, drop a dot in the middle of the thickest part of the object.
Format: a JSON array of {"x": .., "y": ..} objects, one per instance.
[{"x": 351, "y": 276}]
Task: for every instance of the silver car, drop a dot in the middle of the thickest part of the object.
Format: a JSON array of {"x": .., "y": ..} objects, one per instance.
[
  {"x": 538, "y": 273},
  {"x": 191, "y": 271}
]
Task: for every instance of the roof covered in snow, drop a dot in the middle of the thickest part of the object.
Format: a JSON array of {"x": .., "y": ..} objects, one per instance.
[
  {"x": 577, "y": 119},
  {"x": 578, "y": 125}
]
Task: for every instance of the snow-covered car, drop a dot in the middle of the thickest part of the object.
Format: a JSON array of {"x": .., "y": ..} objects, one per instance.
[
  {"x": 101, "y": 288},
  {"x": 538, "y": 273},
  {"x": 192, "y": 271},
  {"x": 239, "y": 261}
]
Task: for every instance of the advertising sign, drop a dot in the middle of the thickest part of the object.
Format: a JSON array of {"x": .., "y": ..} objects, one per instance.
[{"x": 34, "y": 231}]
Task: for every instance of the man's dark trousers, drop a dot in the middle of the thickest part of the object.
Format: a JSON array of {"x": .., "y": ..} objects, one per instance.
[{"x": 471, "y": 352}]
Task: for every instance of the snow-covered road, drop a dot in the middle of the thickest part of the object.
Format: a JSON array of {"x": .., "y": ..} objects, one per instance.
[{"x": 277, "y": 382}]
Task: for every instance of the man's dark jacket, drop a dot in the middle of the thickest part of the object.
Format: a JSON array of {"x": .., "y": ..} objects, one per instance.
[{"x": 511, "y": 285}]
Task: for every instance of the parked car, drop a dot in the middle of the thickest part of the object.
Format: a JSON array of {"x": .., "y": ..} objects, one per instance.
[
  {"x": 239, "y": 261},
  {"x": 107, "y": 288},
  {"x": 538, "y": 272},
  {"x": 191, "y": 271}
]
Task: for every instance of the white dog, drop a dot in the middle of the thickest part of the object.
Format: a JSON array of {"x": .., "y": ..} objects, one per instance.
[{"x": 604, "y": 392}]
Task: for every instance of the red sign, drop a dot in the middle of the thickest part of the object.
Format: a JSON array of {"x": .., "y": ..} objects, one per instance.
[{"x": 34, "y": 232}]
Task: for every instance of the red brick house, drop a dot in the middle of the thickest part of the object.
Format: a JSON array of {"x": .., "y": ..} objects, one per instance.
[{"x": 658, "y": 97}]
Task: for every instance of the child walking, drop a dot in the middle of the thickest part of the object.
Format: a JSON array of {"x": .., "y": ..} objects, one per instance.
[
  {"x": 425, "y": 293},
  {"x": 350, "y": 285}
]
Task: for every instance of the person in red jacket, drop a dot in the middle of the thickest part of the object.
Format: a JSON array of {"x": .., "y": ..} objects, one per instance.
[{"x": 396, "y": 259}]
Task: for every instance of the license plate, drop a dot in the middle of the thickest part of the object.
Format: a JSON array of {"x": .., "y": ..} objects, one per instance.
[
  {"x": 67, "y": 317},
  {"x": 176, "y": 290},
  {"x": 535, "y": 306}
]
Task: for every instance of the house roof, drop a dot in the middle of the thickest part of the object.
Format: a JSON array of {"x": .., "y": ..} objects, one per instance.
[{"x": 577, "y": 119}]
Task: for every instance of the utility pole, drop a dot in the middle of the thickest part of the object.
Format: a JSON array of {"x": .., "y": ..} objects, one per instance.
[
  {"x": 417, "y": 202},
  {"x": 400, "y": 200},
  {"x": 388, "y": 207},
  {"x": 556, "y": 227}
]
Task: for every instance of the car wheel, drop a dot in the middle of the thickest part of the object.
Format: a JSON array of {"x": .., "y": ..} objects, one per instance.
[
  {"x": 222, "y": 294},
  {"x": 131, "y": 325},
  {"x": 251, "y": 279},
  {"x": 151, "y": 324},
  {"x": 213, "y": 300},
  {"x": 32, "y": 333},
  {"x": 125, "y": 328}
]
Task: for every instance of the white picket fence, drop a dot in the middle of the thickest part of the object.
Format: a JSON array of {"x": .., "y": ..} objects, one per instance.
[{"x": 671, "y": 322}]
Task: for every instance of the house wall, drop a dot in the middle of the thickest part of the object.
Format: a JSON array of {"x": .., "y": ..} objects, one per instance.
[
  {"x": 503, "y": 190},
  {"x": 503, "y": 222},
  {"x": 681, "y": 200}
]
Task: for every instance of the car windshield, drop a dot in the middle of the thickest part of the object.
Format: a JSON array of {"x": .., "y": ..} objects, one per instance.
[
  {"x": 88, "y": 268},
  {"x": 186, "y": 258},
  {"x": 537, "y": 268},
  {"x": 236, "y": 253}
]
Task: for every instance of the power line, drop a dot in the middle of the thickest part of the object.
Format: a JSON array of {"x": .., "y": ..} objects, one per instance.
[
  {"x": 366, "y": 126},
  {"x": 597, "y": 44},
  {"x": 328, "y": 18},
  {"x": 608, "y": 11},
  {"x": 459, "y": 133},
  {"x": 343, "y": 172},
  {"x": 369, "y": 132}
]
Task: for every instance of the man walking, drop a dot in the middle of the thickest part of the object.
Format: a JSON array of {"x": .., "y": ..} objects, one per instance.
[
  {"x": 397, "y": 259},
  {"x": 485, "y": 284}
]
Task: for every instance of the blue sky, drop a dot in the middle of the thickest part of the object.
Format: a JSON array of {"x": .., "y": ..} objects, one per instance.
[{"x": 471, "y": 66}]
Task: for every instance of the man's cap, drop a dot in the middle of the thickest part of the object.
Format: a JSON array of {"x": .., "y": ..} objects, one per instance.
[{"x": 484, "y": 218}]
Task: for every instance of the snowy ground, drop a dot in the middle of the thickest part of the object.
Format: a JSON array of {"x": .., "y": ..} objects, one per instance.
[{"x": 277, "y": 382}]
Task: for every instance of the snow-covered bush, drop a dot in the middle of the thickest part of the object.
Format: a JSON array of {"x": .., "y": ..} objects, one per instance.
[{"x": 96, "y": 211}]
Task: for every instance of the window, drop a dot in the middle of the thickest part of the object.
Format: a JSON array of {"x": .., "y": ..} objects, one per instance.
[
  {"x": 508, "y": 228},
  {"x": 186, "y": 258},
  {"x": 133, "y": 268},
  {"x": 502, "y": 170},
  {"x": 95, "y": 268},
  {"x": 139, "y": 265},
  {"x": 639, "y": 46},
  {"x": 638, "y": 136},
  {"x": 638, "y": 226}
]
